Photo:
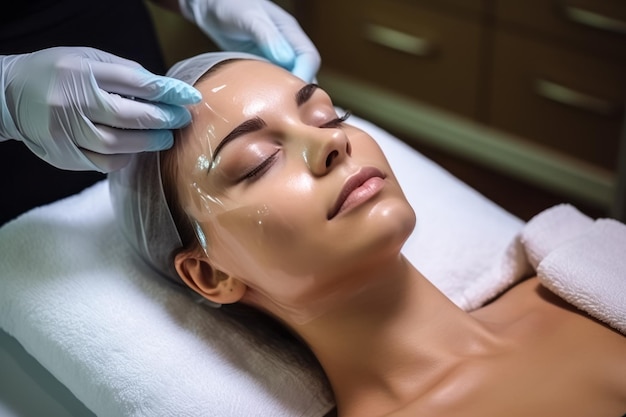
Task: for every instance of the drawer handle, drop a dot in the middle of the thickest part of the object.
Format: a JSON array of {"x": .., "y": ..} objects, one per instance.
[
  {"x": 565, "y": 95},
  {"x": 399, "y": 41},
  {"x": 594, "y": 20}
]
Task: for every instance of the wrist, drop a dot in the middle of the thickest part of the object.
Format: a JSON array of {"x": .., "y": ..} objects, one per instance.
[{"x": 8, "y": 128}]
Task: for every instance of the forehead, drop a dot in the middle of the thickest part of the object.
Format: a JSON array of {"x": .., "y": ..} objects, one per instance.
[
  {"x": 239, "y": 81},
  {"x": 240, "y": 90},
  {"x": 235, "y": 92}
]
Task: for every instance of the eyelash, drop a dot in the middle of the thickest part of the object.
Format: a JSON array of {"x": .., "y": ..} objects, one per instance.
[
  {"x": 261, "y": 168},
  {"x": 337, "y": 122}
]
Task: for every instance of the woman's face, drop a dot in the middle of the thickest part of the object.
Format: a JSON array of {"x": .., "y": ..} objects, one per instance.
[{"x": 292, "y": 201}]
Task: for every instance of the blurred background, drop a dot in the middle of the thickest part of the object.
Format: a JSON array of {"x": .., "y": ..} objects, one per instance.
[{"x": 524, "y": 100}]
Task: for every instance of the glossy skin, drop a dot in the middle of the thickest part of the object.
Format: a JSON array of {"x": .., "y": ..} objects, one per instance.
[
  {"x": 389, "y": 341},
  {"x": 272, "y": 231}
]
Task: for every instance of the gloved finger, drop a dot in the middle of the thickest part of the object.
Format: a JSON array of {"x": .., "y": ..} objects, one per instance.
[
  {"x": 276, "y": 48},
  {"x": 307, "y": 59},
  {"x": 306, "y": 66},
  {"x": 116, "y": 111},
  {"x": 270, "y": 41},
  {"x": 108, "y": 140},
  {"x": 103, "y": 56},
  {"x": 140, "y": 83},
  {"x": 107, "y": 163}
]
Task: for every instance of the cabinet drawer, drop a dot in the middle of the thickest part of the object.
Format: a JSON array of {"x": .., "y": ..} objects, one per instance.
[
  {"x": 409, "y": 49},
  {"x": 596, "y": 25},
  {"x": 472, "y": 6},
  {"x": 558, "y": 98}
]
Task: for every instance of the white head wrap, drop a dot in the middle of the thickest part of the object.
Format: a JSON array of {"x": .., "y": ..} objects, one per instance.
[{"x": 136, "y": 190}]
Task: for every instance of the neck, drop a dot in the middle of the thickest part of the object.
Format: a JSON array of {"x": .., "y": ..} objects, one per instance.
[{"x": 393, "y": 341}]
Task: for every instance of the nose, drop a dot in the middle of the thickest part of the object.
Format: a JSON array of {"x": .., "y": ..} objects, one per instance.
[{"x": 325, "y": 148}]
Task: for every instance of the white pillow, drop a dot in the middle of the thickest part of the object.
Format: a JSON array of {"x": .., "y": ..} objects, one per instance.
[{"x": 125, "y": 344}]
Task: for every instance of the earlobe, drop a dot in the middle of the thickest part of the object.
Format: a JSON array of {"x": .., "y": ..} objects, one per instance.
[{"x": 197, "y": 272}]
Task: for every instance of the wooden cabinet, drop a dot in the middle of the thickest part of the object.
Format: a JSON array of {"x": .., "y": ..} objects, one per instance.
[
  {"x": 597, "y": 26},
  {"x": 559, "y": 75},
  {"x": 541, "y": 82},
  {"x": 403, "y": 46},
  {"x": 557, "y": 97}
]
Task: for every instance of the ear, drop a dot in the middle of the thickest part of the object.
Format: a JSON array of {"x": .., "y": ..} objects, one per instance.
[{"x": 196, "y": 271}]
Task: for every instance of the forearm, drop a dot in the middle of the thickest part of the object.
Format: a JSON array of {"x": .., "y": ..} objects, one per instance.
[{"x": 8, "y": 130}]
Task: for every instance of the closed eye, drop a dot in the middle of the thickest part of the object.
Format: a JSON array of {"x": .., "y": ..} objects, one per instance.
[
  {"x": 336, "y": 122},
  {"x": 260, "y": 169}
]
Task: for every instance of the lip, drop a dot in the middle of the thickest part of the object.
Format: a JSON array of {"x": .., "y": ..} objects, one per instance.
[{"x": 360, "y": 181}]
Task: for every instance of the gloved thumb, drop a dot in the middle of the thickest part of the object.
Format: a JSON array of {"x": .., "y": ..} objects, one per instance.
[
  {"x": 272, "y": 43},
  {"x": 307, "y": 58}
]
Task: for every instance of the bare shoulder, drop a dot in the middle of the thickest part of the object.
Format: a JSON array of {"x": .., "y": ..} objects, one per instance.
[
  {"x": 521, "y": 387},
  {"x": 559, "y": 337},
  {"x": 559, "y": 361},
  {"x": 573, "y": 334}
]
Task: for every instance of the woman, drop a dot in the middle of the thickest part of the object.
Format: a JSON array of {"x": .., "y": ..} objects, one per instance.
[{"x": 276, "y": 203}]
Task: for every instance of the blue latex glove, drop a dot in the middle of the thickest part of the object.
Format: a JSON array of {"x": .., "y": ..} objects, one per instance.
[
  {"x": 256, "y": 26},
  {"x": 84, "y": 109}
]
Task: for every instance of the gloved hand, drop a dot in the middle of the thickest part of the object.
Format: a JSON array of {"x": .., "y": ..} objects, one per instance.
[
  {"x": 84, "y": 109},
  {"x": 256, "y": 26}
]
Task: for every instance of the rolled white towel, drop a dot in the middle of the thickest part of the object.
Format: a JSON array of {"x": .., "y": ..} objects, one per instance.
[
  {"x": 590, "y": 272},
  {"x": 550, "y": 229}
]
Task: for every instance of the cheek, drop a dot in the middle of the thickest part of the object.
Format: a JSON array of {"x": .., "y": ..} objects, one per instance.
[
  {"x": 260, "y": 221},
  {"x": 235, "y": 239},
  {"x": 366, "y": 149},
  {"x": 258, "y": 240}
]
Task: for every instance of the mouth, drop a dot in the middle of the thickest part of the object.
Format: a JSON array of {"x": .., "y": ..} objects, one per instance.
[{"x": 357, "y": 189}]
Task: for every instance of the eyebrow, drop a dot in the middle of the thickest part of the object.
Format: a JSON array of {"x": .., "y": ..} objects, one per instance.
[
  {"x": 249, "y": 126},
  {"x": 304, "y": 94},
  {"x": 255, "y": 124}
]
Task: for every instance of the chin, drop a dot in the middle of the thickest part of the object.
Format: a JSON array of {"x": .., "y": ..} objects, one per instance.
[{"x": 395, "y": 219}]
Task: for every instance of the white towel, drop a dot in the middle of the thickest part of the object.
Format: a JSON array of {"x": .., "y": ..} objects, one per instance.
[
  {"x": 550, "y": 229},
  {"x": 123, "y": 344},
  {"x": 581, "y": 260},
  {"x": 126, "y": 344}
]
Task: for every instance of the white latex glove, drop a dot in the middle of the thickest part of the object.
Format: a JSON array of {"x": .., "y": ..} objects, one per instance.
[
  {"x": 256, "y": 26},
  {"x": 84, "y": 109}
]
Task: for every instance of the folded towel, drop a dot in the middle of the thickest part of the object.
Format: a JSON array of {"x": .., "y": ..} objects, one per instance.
[
  {"x": 590, "y": 272},
  {"x": 551, "y": 228},
  {"x": 581, "y": 260},
  {"x": 126, "y": 344}
]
